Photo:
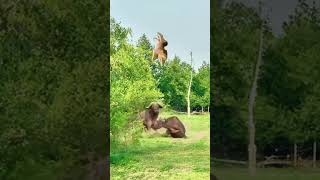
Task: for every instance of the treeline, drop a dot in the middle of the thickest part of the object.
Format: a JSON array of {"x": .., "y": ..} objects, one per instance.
[
  {"x": 136, "y": 81},
  {"x": 52, "y": 87},
  {"x": 173, "y": 80},
  {"x": 287, "y": 106}
]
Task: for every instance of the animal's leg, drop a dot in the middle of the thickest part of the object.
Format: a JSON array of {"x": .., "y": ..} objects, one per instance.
[
  {"x": 162, "y": 61},
  {"x": 154, "y": 55},
  {"x": 149, "y": 124},
  {"x": 155, "y": 124},
  {"x": 174, "y": 130},
  {"x": 168, "y": 132},
  {"x": 162, "y": 58}
]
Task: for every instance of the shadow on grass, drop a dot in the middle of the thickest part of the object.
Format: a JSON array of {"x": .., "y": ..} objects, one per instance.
[{"x": 241, "y": 173}]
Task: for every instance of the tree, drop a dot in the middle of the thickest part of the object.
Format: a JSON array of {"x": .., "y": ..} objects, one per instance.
[
  {"x": 173, "y": 81},
  {"x": 144, "y": 43},
  {"x": 46, "y": 50},
  {"x": 286, "y": 85},
  {"x": 189, "y": 87},
  {"x": 233, "y": 67},
  {"x": 200, "y": 95},
  {"x": 291, "y": 62},
  {"x": 253, "y": 93}
]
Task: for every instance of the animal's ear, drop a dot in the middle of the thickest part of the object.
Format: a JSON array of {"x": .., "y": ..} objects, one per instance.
[
  {"x": 149, "y": 106},
  {"x": 160, "y": 105}
]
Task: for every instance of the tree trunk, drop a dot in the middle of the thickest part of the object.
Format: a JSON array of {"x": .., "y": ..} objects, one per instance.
[
  {"x": 201, "y": 109},
  {"x": 189, "y": 89},
  {"x": 295, "y": 155},
  {"x": 314, "y": 154},
  {"x": 208, "y": 109},
  {"x": 252, "y": 149}
]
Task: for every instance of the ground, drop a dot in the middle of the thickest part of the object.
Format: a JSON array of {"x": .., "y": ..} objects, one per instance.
[
  {"x": 237, "y": 173},
  {"x": 160, "y": 157}
]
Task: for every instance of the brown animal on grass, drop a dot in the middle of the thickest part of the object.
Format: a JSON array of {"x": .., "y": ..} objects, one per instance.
[
  {"x": 159, "y": 52},
  {"x": 174, "y": 127},
  {"x": 150, "y": 115}
]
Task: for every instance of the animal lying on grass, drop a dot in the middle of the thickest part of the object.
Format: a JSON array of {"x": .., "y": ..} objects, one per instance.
[{"x": 174, "y": 127}]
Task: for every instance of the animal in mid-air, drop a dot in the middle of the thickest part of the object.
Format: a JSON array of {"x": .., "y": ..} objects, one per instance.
[{"x": 159, "y": 52}]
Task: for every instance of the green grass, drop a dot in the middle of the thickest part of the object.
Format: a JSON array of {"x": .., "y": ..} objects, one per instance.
[
  {"x": 238, "y": 173},
  {"x": 160, "y": 157}
]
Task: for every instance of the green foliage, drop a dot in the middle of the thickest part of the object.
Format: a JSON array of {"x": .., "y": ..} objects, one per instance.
[
  {"x": 118, "y": 36},
  {"x": 78, "y": 110},
  {"x": 144, "y": 44},
  {"x": 201, "y": 87},
  {"x": 233, "y": 60},
  {"x": 292, "y": 62},
  {"x": 308, "y": 116},
  {"x": 52, "y": 86},
  {"x": 234, "y": 56},
  {"x": 132, "y": 87},
  {"x": 286, "y": 108},
  {"x": 173, "y": 80}
]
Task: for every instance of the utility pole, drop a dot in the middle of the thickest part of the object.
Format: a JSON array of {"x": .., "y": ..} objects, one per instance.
[{"x": 189, "y": 89}]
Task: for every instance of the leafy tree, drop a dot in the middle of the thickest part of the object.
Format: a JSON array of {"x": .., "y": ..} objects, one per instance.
[
  {"x": 233, "y": 65},
  {"x": 201, "y": 87},
  {"x": 173, "y": 79},
  {"x": 144, "y": 44},
  {"x": 288, "y": 83},
  {"x": 132, "y": 87},
  {"x": 51, "y": 56},
  {"x": 118, "y": 36}
]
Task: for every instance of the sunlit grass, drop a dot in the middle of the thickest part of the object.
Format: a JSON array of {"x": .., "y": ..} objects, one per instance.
[{"x": 160, "y": 157}]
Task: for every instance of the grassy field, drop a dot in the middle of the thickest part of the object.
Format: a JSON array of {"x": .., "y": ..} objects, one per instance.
[
  {"x": 160, "y": 157},
  {"x": 237, "y": 173}
]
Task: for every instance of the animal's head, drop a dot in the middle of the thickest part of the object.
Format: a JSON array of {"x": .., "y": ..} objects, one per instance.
[
  {"x": 159, "y": 34},
  {"x": 162, "y": 40},
  {"x": 161, "y": 122},
  {"x": 165, "y": 43},
  {"x": 154, "y": 107}
]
